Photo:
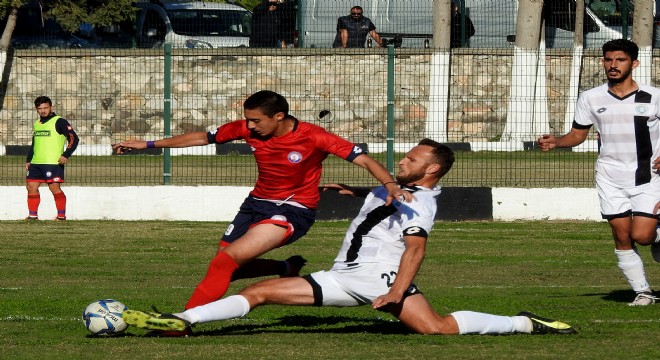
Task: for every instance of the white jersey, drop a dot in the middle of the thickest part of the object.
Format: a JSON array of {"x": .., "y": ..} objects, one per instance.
[
  {"x": 376, "y": 234},
  {"x": 629, "y": 133}
]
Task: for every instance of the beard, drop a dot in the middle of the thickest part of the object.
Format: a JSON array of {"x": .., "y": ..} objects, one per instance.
[
  {"x": 620, "y": 79},
  {"x": 410, "y": 178}
]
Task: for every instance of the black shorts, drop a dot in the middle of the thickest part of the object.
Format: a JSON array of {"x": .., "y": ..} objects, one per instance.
[
  {"x": 253, "y": 212},
  {"x": 45, "y": 173}
]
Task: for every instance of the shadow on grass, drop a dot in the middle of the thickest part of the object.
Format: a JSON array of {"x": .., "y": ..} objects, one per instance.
[
  {"x": 620, "y": 296},
  {"x": 313, "y": 324}
]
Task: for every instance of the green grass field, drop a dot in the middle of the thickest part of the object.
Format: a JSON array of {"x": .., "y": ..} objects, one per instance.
[
  {"x": 521, "y": 169},
  {"x": 50, "y": 271}
]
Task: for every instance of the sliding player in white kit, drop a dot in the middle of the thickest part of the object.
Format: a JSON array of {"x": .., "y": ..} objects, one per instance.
[
  {"x": 627, "y": 117},
  {"x": 377, "y": 263}
]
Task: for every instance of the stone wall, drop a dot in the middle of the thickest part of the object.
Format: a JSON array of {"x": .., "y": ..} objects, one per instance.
[{"x": 112, "y": 96}]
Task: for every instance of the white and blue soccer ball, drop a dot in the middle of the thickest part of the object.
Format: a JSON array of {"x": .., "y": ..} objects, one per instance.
[{"x": 103, "y": 317}]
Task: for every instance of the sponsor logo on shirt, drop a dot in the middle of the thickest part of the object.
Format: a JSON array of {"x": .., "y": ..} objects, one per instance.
[
  {"x": 601, "y": 110},
  {"x": 413, "y": 230},
  {"x": 294, "y": 157},
  {"x": 279, "y": 218},
  {"x": 230, "y": 228},
  {"x": 42, "y": 133}
]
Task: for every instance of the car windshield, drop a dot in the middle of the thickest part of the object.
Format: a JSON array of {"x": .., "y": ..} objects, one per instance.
[{"x": 210, "y": 22}]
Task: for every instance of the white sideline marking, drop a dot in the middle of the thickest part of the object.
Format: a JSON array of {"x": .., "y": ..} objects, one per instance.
[
  {"x": 12, "y": 288},
  {"x": 617, "y": 321},
  {"x": 528, "y": 286},
  {"x": 37, "y": 318}
]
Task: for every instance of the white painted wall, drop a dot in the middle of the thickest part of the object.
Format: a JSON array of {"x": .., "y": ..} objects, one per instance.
[
  {"x": 511, "y": 204},
  {"x": 220, "y": 203},
  {"x": 193, "y": 203}
]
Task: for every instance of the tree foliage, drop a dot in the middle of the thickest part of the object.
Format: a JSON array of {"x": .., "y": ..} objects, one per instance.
[{"x": 71, "y": 13}]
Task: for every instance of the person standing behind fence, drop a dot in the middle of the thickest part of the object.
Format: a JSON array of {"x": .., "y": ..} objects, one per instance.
[
  {"x": 352, "y": 30},
  {"x": 281, "y": 207},
  {"x": 267, "y": 25},
  {"x": 47, "y": 156},
  {"x": 627, "y": 117},
  {"x": 457, "y": 28}
]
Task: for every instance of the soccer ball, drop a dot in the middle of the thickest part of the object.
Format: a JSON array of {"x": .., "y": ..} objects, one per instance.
[{"x": 103, "y": 317}]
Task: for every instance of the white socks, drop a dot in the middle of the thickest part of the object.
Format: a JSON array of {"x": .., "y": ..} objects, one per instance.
[
  {"x": 471, "y": 322},
  {"x": 231, "y": 307},
  {"x": 633, "y": 269}
]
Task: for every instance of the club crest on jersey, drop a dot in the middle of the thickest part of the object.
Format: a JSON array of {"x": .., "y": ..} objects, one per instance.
[
  {"x": 641, "y": 109},
  {"x": 294, "y": 157}
]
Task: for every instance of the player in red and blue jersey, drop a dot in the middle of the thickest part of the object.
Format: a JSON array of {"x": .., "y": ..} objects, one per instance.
[{"x": 282, "y": 206}]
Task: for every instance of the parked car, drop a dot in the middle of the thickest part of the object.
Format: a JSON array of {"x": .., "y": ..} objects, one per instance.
[
  {"x": 193, "y": 24},
  {"x": 35, "y": 31}
]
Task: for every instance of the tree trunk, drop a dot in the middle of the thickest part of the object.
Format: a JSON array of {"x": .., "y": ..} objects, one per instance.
[
  {"x": 642, "y": 34},
  {"x": 441, "y": 23},
  {"x": 5, "y": 40},
  {"x": 520, "y": 112},
  {"x": 576, "y": 65},
  {"x": 436, "y": 118}
]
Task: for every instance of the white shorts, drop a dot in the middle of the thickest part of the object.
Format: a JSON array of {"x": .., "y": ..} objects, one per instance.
[
  {"x": 354, "y": 286},
  {"x": 618, "y": 202}
]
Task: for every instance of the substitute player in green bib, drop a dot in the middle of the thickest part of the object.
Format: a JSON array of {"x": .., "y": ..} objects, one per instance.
[{"x": 53, "y": 142}]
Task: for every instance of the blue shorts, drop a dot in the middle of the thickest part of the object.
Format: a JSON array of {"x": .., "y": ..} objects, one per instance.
[
  {"x": 252, "y": 212},
  {"x": 45, "y": 173}
]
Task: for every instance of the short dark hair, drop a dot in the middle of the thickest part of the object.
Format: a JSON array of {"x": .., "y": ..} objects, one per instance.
[
  {"x": 269, "y": 102},
  {"x": 42, "y": 100},
  {"x": 630, "y": 48},
  {"x": 442, "y": 154},
  {"x": 356, "y": 7}
]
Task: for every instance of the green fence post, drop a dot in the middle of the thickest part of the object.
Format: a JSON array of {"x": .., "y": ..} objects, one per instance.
[
  {"x": 167, "y": 113},
  {"x": 390, "y": 108},
  {"x": 625, "y": 12}
]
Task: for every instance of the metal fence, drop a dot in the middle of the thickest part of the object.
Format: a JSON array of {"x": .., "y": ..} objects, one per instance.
[{"x": 462, "y": 97}]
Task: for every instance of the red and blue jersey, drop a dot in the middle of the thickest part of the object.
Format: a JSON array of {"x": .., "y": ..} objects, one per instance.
[{"x": 290, "y": 165}]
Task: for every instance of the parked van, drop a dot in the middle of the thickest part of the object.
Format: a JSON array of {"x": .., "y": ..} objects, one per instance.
[
  {"x": 192, "y": 24},
  {"x": 495, "y": 28},
  {"x": 410, "y": 23}
]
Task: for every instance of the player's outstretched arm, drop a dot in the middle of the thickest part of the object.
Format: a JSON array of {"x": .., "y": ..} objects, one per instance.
[
  {"x": 573, "y": 138},
  {"x": 381, "y": 174},
  {"x": 347, "y": 190},
  {"x": 184, "y": 140}
]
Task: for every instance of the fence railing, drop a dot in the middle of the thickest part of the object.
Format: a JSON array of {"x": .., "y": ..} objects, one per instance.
[{"x": 461, "y": 97}]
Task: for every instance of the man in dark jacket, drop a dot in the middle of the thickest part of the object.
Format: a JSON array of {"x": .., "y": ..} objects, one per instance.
[
  {"x": 352, "y": 30},
  {"x": 268, "y": 24}
]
